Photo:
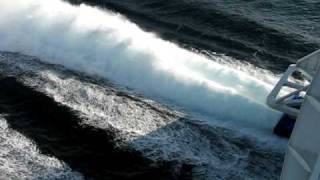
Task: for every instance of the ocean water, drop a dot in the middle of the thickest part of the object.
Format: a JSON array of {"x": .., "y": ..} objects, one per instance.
[
  {"x": 174, "y": 89},
  {"x": 270, "y": 34}
]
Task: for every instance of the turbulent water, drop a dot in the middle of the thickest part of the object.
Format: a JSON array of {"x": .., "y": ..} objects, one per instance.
[
  {"x": 173, "y": 90},
  {"x": 270, "y": 34},
  {"x": 102, "y": 131}
]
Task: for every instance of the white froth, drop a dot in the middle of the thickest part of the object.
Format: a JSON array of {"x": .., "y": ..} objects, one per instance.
[{"x": 102, "y": 43}]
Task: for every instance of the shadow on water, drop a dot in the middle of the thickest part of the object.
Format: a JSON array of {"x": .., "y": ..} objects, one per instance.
[
  {"x": 213, "y": 152},
  {"x": 57, "y": 132},
  {"x": 175, "y": 142}
]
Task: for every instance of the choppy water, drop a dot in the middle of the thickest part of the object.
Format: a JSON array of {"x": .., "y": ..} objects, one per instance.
[
  {"x": 107, "y": 133},
  {"x": 185, "y": 100}
]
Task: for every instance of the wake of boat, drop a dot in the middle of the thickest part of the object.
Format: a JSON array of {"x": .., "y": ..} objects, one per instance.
[{"x": 107, "y": 45}]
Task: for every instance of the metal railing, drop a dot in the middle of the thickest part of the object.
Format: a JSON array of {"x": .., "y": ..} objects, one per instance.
[{"x": 308, "y": 66}]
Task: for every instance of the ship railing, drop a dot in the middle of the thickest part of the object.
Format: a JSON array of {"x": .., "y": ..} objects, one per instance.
[{"x": 288, "y": 95}]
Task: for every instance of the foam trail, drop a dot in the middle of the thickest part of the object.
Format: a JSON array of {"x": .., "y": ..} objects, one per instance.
[{"x": 102, "y": 43}]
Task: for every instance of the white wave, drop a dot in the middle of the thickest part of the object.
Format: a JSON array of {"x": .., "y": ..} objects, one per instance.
[{"x": 102, "y": 43}]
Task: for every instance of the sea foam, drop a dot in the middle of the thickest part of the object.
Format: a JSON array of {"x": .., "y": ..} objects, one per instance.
[{"x": 105, "y": 44}]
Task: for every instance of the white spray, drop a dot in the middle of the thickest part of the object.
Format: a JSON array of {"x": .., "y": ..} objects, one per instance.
[{"x": 102, "y": 43}]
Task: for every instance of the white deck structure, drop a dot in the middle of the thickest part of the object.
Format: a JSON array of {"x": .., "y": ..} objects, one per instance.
[{"x": 302, "y": 161}]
